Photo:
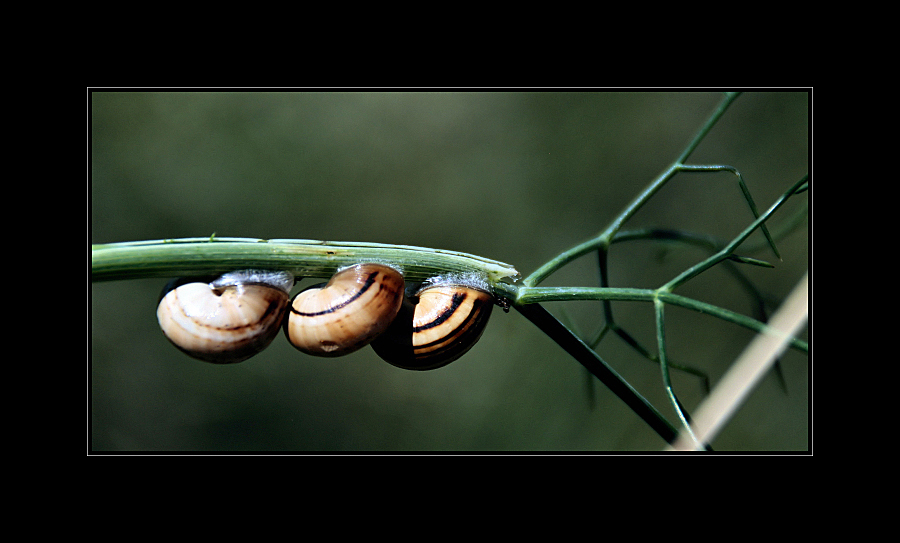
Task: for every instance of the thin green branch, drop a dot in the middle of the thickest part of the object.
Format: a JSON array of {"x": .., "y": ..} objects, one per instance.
[
  {"x": 729, "y": 98},
  {"x": 744, "y": 190},
  {"x": 659, "y": 310},
  {"x": 532, "y": 295},
  {"x": 728, "y": 316},
  {"x": 726, "y": 252},
  {"x": 632, "y": 342},
  {"x": 748, "y": 369},
  {"x": 603, "y": 240},
  {"x": 623, "y": 334}
]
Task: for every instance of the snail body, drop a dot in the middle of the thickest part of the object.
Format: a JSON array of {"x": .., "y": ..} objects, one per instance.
[
  {"x": 439, "y": 325},
  {"x": 227, "y": 320},
  {"x": 344, "y": 315}
]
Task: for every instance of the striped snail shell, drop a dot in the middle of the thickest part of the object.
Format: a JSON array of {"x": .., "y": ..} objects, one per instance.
[
  {"x": 344, "y": 315},
  {"x": 227, "y": 320},
  {"x": 440, "y": 324}
]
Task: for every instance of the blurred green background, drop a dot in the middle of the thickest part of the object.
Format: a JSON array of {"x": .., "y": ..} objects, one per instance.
[{"x": 513, "y": 176}]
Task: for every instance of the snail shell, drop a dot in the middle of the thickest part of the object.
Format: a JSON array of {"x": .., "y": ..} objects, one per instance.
[
  {"x": 228, "y": 320},
  {"x": 444, "y": 324},
  {"x": 344, "y": 315}
]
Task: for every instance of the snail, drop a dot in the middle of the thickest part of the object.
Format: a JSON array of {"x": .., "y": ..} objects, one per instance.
[
  {"x": 344, "y": 315},
  {"x": 440, "y": 324},
  {"x": 228, "y": 320}
]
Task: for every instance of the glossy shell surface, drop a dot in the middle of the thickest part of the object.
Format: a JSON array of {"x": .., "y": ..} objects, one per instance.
[
  {"x": 344, "y": 315},
  {"x": 444, "y": 324},
  {"x": 224, "y": 324}
]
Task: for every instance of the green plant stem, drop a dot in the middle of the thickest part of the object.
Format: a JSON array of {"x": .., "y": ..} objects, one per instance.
[
  {"x": 659, "y": 309},
  {"x": 588, "y": 358},
  {"x": 729, "y": 98},
  {"x": 304, "y": 258},
  {"x": 747, "y": 370},
  {"x": 603, "y": 240},
  {"x": 727, "y": 251},
  {"x": 532, "y": 295}
]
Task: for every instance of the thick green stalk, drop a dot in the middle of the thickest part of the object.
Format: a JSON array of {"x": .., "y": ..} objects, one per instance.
[
  {"x": 598, "y": 367},
  {"x": 303, "y": 258}
]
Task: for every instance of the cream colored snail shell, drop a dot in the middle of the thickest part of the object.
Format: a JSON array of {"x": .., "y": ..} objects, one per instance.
[
  {"x": 444, "y": 324},
  {"x": 344, "y": 315},
  {"x": 227, "y": 320}
]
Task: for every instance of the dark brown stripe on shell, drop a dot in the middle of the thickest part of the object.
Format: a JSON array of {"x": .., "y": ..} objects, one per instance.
[{"x": 368, "y": 284}]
